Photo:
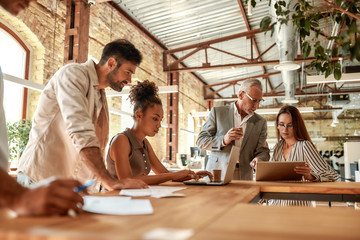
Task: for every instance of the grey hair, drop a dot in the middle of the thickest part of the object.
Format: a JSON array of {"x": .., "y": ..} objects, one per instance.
[{"x": 245, "y": 86}]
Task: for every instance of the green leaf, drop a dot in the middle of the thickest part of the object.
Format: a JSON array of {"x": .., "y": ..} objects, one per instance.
[
  {"x": 352, "y": 27},
  {"x": 302, "y": 22},
  {"x": 306, "y": 49},
  {"x": 338, "y": 18},
  {"x": 272, "y": 28},
  {"x": 319, "y": 52},
  {"x": 307, "y": 25},
  {"x": 338, "y": 2},
  {"x": 253, "y": 3},
  {"x": 282, "y": 3},
  {"x": 265, "y": 22},
  {"x": 335, "y": 52},
  {"x": 337, "y": 65},
  {"x": 314, "y": 24},
  {"x": 337, "y": 73},
  {"x": 328, "y": 71}
]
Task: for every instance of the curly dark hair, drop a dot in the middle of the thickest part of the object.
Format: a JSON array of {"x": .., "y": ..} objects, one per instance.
[{"x": 143, "y": 95}]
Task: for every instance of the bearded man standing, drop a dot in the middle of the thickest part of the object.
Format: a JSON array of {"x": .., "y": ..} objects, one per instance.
[{"x": 71, "y": 123}]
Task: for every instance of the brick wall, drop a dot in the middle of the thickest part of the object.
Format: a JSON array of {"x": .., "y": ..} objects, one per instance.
[{"x": 42, "y": 26}]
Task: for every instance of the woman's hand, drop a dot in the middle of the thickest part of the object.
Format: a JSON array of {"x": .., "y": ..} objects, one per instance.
[
  {"x": 254, "y": 162},
  {"x": 305, "y": 171},
  {"x": 183, "y": 175},
  {"x": 201, "y": 174}
]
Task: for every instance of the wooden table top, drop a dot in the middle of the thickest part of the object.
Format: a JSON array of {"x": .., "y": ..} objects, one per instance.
[
  {"x": 213, "y": 212},
  {"x": 196, "y": 210},
  {"x": 251, "y": 221},
  {"x": 304, "y": 187}
]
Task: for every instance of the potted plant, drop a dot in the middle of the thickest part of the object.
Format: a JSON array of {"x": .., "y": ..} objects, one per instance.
[{"x": 18, "y": 137}]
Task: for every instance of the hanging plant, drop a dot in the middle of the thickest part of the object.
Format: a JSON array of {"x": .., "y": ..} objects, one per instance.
[{"x": 308, "y": 18}]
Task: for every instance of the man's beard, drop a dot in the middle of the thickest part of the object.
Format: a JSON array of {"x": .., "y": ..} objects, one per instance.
[{"x": 114, "y": 85}]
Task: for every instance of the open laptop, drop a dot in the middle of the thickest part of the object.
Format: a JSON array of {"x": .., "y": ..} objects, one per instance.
[
  {"x": 233, "y": 158},
  {"x": 277, "y": 171}
]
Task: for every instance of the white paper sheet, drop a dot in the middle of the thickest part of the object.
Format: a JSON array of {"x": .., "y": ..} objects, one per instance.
[
  {"x": 153, "y": 191},
  {"x": 168, "y": 233},
  {"x": 117, "y": 205}
]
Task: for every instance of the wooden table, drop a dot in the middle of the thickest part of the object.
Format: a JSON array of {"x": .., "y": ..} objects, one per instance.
[
  {"x": 213, "y": 212},
  {"x": 312, "y": 191},
  {"x": 250, "y": 221}
]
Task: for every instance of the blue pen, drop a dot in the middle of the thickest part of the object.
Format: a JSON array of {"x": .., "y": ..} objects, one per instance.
[{"x": 86, "y": 185}]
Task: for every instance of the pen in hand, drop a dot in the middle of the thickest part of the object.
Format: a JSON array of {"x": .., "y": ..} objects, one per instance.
[
  {"x": 89, "y": 183},
  {"x": 86, "y": 185}
]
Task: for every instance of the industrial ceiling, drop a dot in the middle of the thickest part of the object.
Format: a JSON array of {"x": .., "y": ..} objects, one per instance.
[{"x": 219, "y": 42}]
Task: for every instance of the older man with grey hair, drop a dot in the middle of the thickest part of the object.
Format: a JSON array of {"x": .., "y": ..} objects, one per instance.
[{"x": 236, "y": 124}]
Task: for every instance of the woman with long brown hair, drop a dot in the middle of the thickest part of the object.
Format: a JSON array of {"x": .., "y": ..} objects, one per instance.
[{"x": 294, "y": 144}]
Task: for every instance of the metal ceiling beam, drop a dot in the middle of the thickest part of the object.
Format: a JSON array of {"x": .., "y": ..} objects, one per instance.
[
  {"x": 282, "y": 95},
  {"x": 243, "y": 64},
  {"x": 243, "y": 79},
  {"x": 262, "y": 54},
  {"x": 222, "y": 39}
]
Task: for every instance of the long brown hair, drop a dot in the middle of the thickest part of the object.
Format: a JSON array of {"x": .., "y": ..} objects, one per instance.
[{"x": 299, "y": 128}]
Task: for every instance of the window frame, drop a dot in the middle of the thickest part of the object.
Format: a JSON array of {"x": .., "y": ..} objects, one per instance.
[{"x": 27, "y": 66}]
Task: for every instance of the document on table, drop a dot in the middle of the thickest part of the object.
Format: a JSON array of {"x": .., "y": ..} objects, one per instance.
[
  {"x": 168, "y": 233},
  {"x": 153, "y": 191},
  {"x": 117, "y": 205}
]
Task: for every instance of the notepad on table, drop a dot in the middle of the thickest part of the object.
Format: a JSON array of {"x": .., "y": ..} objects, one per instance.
[{"x": 117, "y": 205}]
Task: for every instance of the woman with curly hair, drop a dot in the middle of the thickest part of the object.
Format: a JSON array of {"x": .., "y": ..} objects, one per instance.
[{"x": 130, "y": 154}]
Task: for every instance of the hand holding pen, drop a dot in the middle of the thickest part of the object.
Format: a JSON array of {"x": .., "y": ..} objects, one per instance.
[
  {"x": 89, "y": 183},
  {"x": 53, "y": 197}
]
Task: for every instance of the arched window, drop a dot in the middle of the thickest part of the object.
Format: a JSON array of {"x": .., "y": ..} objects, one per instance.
[{"x": 14, "y": 60}]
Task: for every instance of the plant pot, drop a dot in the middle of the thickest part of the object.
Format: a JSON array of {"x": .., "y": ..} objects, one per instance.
[{"x": 13, "y": 166}]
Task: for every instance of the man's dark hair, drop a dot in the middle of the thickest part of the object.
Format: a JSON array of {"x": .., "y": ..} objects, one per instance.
[{"x": 122, "y": 50}]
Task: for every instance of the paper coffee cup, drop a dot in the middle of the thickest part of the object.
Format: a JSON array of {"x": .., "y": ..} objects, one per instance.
[{"x": 217, "y": 175}]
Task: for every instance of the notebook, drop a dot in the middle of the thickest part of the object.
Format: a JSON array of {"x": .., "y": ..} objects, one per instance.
[
  {"x": 277, "y": 171},
  {"x": 233, "y": 158}
]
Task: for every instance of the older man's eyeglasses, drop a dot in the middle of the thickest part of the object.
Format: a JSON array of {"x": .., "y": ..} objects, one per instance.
[{"x": 253, "y": 99}]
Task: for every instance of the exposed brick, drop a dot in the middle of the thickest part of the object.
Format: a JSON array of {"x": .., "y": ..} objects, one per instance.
[{"x": 36, "y": 26}]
